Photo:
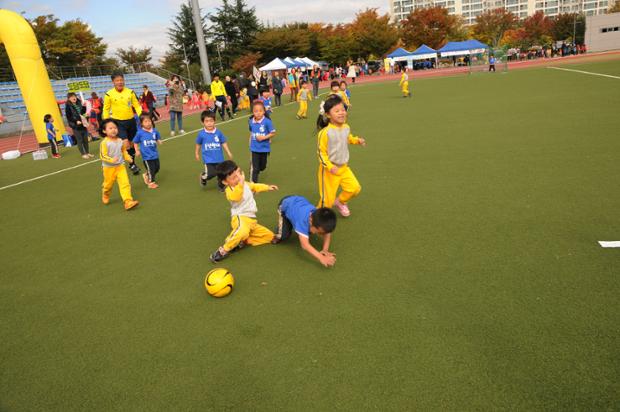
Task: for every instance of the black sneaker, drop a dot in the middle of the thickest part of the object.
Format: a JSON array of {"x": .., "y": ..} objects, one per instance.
[
  {"x": 237, "y": 248},
  {"x": 203, "y": 179},
  {"x": 134, "y": 169},
  {"x": 217, "y": 256}
]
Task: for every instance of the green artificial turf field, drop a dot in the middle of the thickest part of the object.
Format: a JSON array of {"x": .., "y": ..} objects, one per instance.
[{"x": 468, "y": 277}]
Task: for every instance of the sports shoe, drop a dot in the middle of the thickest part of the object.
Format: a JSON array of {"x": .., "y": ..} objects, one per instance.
[
  {"x": 105, "y": 199},
  {"x": 134, "y": 169},
  {"x": 85, "y": 156},
  {"x": 181, "y": 131},
  {"x": 237, "y": 248},
  {"x": 91, "y": 155},
  {"x": 342, "y": 208},
  {"x": 217, "y": 256},
  {"x": 130, "y": 204},
  {"x": 145, "y": 177},
  {"x": 172, "y": 134},
  {"x": 153, "y": 185},
  {"x": 56, "y": 156},
  {"x": 203, "y": 179}
]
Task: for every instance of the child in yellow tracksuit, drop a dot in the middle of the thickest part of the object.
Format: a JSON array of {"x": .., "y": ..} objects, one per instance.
[
  {"x": 404, "y": 83},
  {"x": 333, "y": 148},
  {"x": 113, "y": 154},
  {"x": 303, "y": 97},
  {"x": 245, "y": 227}
]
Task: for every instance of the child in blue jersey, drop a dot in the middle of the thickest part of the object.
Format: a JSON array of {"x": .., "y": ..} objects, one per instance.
[
  {"x": 210, "y": 143},
  {"x": 145, "y": 143},
  {"x": 266, "y": 99},
  {"x": 298, "y": 214},
  {"x": 51, "y": 135},
  {"x": 346, "y": 91},
  {"x": 261, "y": 133}
]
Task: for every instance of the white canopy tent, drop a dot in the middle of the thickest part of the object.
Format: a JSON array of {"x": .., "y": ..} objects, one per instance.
[{"x": 275, "y": 64}]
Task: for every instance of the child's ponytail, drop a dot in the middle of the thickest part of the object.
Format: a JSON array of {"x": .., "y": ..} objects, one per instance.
[{"x": 322, "y": 121}]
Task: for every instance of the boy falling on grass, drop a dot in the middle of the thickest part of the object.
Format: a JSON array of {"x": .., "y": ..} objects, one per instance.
[
  {"x": 297, "y": 213},
  {"x": 303, "y": 97},
  {"x": 113, "y": 154},
  {"x": 245, "y": 227}
]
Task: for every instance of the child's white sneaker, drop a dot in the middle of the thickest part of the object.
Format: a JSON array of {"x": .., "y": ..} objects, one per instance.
[
  {"x": 342, "y": 208},
  {"x": 172, "y": 134},
  {"x": 181, "y": 131}
]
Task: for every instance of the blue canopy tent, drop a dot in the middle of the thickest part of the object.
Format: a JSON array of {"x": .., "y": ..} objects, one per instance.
[
  {"x": 424, "y": 52},
  {"x": 462, "y": 48},
  {"x": 398, "y": 53}
]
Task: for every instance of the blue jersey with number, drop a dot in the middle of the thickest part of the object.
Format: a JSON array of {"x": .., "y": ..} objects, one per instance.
[
  {"x": 148, "y": 143},
  {"x": 211, "y": 145},
  {"x": 51, "y": 134},
  {"x": 297, "y": 210},
  {"x": 262, "y": 128}
]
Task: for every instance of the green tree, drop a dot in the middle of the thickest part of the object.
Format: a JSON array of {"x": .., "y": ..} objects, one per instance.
[
  {"x": 182, "y": 35},
  {"x": 372, "y": 34},
  {"x": 565, "y": 24},
  {"x": 287, "y": 40},
  {"x": 70, "y": 44},
  {"x": 337, "y": 44},
  {"x": 233, "y": 29},
  {"x": 132, "y": 55},
  {"x": 492, "y": 24},
  {"x": 432, "y": 26}
]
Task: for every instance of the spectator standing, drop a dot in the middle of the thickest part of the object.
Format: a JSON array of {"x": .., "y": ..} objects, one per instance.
[
  {"x": 175, "y": 100},
  {"x": 278, "y": 88},
  {"x": 315, "y": 78},
  {"x": 74, "y": 111},
  {"x": 232, "y": 92}
]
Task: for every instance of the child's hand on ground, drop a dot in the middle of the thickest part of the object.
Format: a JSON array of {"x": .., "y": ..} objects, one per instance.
[
  {"x": 328, "y": 253},
  {"x": 334, "y": 170},
  {"x": 362, "y": 142},
  {"x": 272, "y": 188},
  {"x": 327, "y": 261}
]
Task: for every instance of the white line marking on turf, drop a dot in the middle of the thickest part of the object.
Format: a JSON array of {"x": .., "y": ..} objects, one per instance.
[
  {"x": 98, "y": 160},
  {"x": 584, "y": 72},
  {"x": 609, "y": 244}
]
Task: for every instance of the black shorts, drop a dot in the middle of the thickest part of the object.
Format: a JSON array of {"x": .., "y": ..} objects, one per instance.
[
  {"x": 285, "y": 227},
  {"x": 127, "y": 129}
]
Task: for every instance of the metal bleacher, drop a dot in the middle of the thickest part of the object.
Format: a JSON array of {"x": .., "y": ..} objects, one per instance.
[{"x": 11, "y": 98}]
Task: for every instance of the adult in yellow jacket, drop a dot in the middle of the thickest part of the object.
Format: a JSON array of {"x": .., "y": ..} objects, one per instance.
[
  {"x": 121, "y": 104},
  {"x": 113, "y": 154},
  {"x": 218, "y": 90},
  {"x": 333, "y": 152}
]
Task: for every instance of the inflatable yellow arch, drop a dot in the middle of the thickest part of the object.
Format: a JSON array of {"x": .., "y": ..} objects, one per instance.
[{"x": 34, "y": 83}]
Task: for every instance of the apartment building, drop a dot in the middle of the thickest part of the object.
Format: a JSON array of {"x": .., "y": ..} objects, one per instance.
[{"x": 469, "y": 9}]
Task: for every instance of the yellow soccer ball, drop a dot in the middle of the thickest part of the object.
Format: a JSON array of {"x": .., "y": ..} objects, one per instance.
[{"x": 219, "y": 282}]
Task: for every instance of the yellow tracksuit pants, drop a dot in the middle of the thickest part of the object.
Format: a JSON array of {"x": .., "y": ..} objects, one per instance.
[
  {"x": 329, "y": 184},
  {"x": 303, "y": 108},
  {"x": 247, "y": 229},
  {"x": 405, "y": 88},
  {"x": 119, "y": 175}
]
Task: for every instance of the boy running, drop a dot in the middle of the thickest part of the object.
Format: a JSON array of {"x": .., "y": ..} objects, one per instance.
[
  {"x": 210, "y": 141},
  {"x": 145, "y": 143},
  {"x": 303, "y": 97}
]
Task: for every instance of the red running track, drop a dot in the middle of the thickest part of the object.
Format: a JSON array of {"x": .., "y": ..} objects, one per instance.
[{"x": 28, "y": 143}]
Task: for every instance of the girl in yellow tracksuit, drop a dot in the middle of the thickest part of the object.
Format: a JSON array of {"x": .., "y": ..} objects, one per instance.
[
  {"x": 333, "y": 149},
  {"x": 113, "y": 154},
  {"x": 303, "y": 97},
  {"x": 404, "y": 84}
]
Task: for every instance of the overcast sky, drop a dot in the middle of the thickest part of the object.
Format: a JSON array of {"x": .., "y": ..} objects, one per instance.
[{"x": 143, "y": 23}]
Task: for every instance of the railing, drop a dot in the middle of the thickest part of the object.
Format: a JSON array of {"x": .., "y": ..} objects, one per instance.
[{"x": 66, "y": 72}]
